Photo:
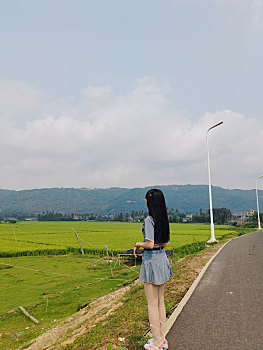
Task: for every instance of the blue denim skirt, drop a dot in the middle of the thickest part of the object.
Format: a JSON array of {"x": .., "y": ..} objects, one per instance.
[{"x": 155, "y": 267}]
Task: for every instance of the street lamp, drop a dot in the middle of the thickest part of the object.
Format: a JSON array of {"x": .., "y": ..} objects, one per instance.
[
  {"x": 259, "y": 227},
  {"x": 212, "y": 239}
]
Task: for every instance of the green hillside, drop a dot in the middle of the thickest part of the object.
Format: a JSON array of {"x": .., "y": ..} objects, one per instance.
[{"x": 185, "y": 198}]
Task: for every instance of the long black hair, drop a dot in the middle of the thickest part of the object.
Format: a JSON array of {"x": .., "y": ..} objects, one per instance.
[{"x": 157, "y": 210}]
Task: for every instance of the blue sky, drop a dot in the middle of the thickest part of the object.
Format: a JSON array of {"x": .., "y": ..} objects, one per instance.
[
  {"x": 179, "y": 65},
  {"x": 209, "y": 52}
]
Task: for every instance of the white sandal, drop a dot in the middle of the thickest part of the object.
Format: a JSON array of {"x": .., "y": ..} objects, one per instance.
[
  {"x": 152, "y": 347},
  {"x": 164, "y": 344}
]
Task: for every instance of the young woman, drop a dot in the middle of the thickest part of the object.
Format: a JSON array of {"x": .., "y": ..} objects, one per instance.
[{"x": 155, "y": 268}]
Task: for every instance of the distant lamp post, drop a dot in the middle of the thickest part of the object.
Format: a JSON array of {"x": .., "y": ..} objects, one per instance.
[
  {"x": 212, "y": 239},
  {"x": 259, "y": 177}
]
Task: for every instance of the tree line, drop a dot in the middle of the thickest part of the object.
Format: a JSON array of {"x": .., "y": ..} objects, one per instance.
[{"x": 220, "y": 215}]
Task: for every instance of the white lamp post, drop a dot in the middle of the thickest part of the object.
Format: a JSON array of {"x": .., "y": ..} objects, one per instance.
[
  {"x": 259, "y": 227},
  {"x": 212, "y": 239}
]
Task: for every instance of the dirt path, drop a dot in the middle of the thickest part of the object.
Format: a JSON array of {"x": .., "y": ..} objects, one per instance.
[{"x": 72, "y": 327}]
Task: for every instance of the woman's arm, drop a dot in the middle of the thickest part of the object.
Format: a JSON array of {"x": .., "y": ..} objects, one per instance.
[{"x": 148, "y": 245}]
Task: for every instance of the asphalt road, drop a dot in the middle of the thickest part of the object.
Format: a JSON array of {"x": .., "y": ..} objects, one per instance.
[{"x": 226, "y": 309}]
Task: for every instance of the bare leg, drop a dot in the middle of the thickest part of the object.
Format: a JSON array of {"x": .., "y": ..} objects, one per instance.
[
  {"x": 162, "y": 311},
  {"x": 152, "y": 295}
]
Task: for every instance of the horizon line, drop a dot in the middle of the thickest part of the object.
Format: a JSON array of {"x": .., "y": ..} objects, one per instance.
[{"x": 119, "y": 187}]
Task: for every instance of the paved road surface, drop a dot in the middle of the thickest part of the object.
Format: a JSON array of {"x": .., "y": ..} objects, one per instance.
[{"x": 226, "y": 309}]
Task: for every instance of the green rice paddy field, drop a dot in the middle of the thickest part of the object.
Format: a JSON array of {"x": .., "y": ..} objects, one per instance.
[
  {"x": 42, "y": 237},
  {"x": 41, "y": 269}
]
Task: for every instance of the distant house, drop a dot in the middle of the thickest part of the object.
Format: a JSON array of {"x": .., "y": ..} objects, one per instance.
[
  {"x": 250, "y": 213},
  {"x": 242, "y": 217},
  {"x": 188, "y": 217},
  {"x": 237, "y": 217}
]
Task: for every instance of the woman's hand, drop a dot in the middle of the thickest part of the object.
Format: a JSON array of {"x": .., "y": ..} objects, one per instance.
[{"x": 135, "y": 250}]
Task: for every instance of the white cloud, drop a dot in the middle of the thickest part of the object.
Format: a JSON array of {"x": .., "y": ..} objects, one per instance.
[
  {"x": 16, "y": 96},
  {"x": 99, "y": 93},
  {"x": 131, "y": 139}
]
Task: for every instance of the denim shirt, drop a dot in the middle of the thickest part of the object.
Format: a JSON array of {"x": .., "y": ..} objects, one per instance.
[{"x": 148, "y": 230}]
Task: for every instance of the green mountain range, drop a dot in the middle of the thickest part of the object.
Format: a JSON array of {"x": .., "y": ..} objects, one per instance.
[{"x": 184, "y": 198}]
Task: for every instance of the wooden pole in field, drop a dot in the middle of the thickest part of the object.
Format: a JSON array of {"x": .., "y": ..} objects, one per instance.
[
  {"x": 82, "y": 251},
  {"x": 14, "y": 232},
  {"x": 28, "y": 315},
  {"x": 109, "y": 260}
]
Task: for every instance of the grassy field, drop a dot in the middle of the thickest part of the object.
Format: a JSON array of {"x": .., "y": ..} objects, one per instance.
[
  {"x": 49, "y": 237},
  {"x": 52, "y": 287},
  {"x": 60, "y": 287}
]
